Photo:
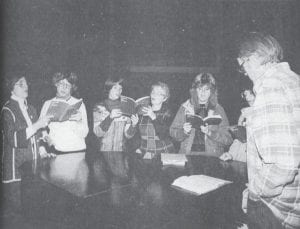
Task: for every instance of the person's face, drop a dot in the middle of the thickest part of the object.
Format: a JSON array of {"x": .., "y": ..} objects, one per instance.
[
  {"x": 203, "y": 94},
  {"x": 249, "y": 97},
  {"x": 115, "y": 92},
  {"x": 21, "y": 88},
  {"x": 250, "y": 66},
  {"x": 158, "y": 95},
  {"x": 63, "y": 89}
]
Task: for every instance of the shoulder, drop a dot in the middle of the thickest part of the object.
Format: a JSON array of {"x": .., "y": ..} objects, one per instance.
[
  {"x": 10, "y": 106},
  {"x": 219, "y": 109},
  {"x": 47, "y": 102},
  {"x": 10, "y": 109},
  {"x": 74, "y": 100}
]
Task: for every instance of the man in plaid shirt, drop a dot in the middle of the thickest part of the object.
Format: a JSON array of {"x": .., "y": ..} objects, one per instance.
[{"x": 273, "y": 135}]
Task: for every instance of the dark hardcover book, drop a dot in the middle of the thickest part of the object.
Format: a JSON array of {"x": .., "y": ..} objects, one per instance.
[
  {"x": 197, "y": 121},
  {"x": 130, "y": 106},
  {"x": 62, "y": 111},
  {"x": 239, "y": 132}
]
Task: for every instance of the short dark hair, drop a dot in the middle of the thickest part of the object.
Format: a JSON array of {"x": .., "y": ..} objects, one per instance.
[
  {"x": 12, "y": 78},
  {"x": 110, "y": 82},
  {"x": 71, "y": 77},
  {"x": 265, "y": 46}
]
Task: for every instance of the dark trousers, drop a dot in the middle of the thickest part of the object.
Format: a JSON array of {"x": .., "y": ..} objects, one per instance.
[{"x": 261, "y": 217}]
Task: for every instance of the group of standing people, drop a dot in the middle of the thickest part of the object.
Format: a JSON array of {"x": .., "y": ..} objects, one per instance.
[{"x": 272, "y": 122}]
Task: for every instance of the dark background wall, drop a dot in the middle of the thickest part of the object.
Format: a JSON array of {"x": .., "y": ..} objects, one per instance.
[{"x": 143, "y": 40}]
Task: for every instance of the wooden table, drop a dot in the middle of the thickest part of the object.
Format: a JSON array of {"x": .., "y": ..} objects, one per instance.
[{"x": 84, "y": 192}]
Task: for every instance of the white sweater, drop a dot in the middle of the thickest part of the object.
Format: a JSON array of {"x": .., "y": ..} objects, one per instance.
[{"x": 68, "y": 135}]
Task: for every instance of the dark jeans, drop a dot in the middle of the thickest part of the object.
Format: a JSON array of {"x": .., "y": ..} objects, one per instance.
[{"x": 261, "y": 217}]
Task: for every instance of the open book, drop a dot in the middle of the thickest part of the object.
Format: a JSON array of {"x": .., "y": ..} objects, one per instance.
[
  {"x": 199, "y": 184},
  {"x": 173, "y": 159},
  {"x": 239, "y": 132},
  {"x": 62, "y": 111},
  {"x": 197, "y": 121},
  {"x": 129, "y": 106}
]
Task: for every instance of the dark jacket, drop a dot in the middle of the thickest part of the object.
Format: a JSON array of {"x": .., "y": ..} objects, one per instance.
[{"x": 16, "y": 147}]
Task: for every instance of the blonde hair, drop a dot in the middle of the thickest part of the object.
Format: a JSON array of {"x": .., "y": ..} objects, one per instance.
[{"x": 164, "y": 86}]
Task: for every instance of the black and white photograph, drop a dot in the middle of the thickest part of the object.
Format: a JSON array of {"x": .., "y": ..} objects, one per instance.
[{"x": 150, "y": 114}]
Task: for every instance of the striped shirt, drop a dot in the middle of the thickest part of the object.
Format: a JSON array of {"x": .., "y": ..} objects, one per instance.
[{"x": 273, "y": 144}]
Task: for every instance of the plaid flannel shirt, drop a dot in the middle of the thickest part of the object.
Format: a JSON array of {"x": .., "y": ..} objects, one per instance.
[
  {"x": 273, "y": 144},
  {"x": 150, "y": 140}
]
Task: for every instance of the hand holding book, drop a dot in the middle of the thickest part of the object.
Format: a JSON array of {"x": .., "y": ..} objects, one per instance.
[
  {"x": 197, "y": 121},
  {"x": 62, "y": 111}
]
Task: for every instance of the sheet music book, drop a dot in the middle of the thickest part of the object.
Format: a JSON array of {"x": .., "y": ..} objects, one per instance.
[
  {"x": 173, "y": 159},
  {"x": 199, "y": 184},
  {"x": 62, "y": 111},
  {"x": 129, "y": 106},
  {"x": 197, "y": 121}
]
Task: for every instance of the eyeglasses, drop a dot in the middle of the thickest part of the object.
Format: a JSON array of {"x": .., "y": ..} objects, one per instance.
[
  {"x": 22, "y": 84},
  {"x": 64, "y": 85}
]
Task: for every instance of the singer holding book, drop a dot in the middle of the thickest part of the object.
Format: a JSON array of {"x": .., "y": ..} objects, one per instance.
[
  {"x": 66, "y": 136},
  {"x": 113, "y": 128},
  {"x": 206, "y": 139},
  {"x": 155, "y": 121},
  {"x": 20, "y": 133}
]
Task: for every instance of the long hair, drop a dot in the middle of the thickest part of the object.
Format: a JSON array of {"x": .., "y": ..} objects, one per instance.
[{"x": 199, "y": 81}]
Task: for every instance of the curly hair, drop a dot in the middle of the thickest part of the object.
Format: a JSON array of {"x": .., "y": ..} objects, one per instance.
[{"x": 69, "y": 76}]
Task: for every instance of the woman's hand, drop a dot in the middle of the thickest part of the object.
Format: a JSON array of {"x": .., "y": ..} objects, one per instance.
[
  {"x": 226, "y": 157},
  {"x": 76, "y": 117},
  {"x": 205, "y": 129},
  {"x": 43, "y": 153},
  {"x": 134, "y": 120},
  {"x": 115, "y": 113},
  {"x": 147, "y": 111},
  {"x": 187, "y": 127}
]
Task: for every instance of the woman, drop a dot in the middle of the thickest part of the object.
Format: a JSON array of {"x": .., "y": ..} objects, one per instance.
[
  {"x": 113, "y": 128},
  {"x": 155, "y": 121},
  {"x": 209, "y": 139},
  {"x": 66, "y": 136},
  {"x": 20, "y": 126},
  {"x": 237, "y": 150}
]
